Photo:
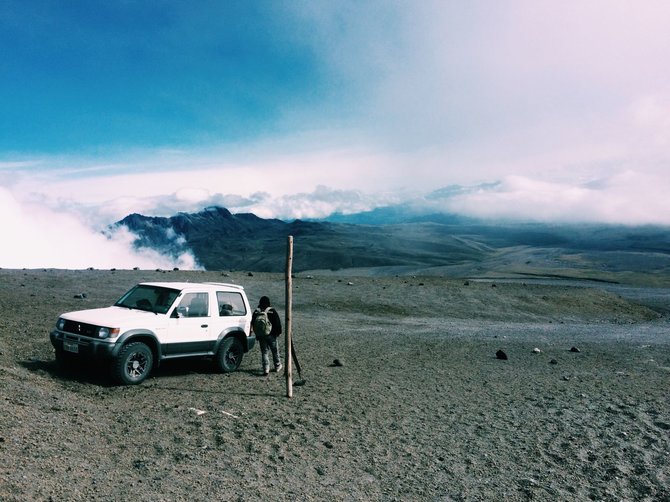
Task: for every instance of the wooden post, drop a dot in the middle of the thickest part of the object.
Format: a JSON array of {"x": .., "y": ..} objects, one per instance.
[{"x": 287, "y": 323}]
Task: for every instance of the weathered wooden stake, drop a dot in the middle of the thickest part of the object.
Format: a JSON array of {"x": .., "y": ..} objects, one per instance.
[{"x": 287, "y": 323}]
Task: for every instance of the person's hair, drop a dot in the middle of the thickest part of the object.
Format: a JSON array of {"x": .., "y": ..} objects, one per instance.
[{"x": 264, "y": 302}]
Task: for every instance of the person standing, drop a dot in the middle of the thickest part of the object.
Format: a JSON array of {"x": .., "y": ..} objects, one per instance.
[{"x": 267, "y": 334}]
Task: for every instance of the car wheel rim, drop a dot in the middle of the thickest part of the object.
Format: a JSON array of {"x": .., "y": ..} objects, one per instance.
[
  {"x": 232, "y": 357},
  {"x": 137, "y": 364}
]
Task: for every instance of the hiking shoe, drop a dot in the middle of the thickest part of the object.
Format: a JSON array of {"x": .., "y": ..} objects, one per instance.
[
  {"x": 266, "y": 372},
  {"x": 278, "y": 368}
]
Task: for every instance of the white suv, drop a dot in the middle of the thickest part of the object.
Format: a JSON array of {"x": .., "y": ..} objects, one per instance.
[{"x": 155, "y": 321}]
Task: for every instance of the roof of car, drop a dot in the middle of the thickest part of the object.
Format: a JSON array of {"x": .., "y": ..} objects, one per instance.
[{"x": 189, "y": 285}]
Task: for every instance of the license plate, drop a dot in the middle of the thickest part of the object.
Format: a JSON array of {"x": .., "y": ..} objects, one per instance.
[{"x": 70, "y": 346}]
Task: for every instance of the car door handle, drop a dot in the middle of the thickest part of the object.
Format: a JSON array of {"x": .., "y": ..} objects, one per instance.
[{"x": 203, "y": 325}]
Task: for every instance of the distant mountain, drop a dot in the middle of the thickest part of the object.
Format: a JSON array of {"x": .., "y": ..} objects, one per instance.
[
  {"x": 399, "y": 214},
  {"x": 222, "y": 240},
  {"x": 429, "y": 244}
]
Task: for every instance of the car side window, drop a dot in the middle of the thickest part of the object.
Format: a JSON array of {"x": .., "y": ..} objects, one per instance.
[
  {"x": 230, "y": 303},
  {"x": 194, "y": 305}
]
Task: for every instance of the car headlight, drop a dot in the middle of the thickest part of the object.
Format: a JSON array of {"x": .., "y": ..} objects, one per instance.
[
  {"x": 60, "y": 324},
  {"x": 108, "y": 332}
]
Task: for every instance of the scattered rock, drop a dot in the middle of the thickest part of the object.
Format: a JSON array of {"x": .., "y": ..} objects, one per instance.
[
  {"x": 575, "y": 349},
  {"x": 494, "y": 285},
  {"x": 80, "y": 296},
  {"x": 536, "y": 350},
  {"x": 466, "y": 283},
  {"x": 350, "y": 283},
  {"x": 250, "y": 274},
  {"x": 566, "y": 378},
  {"x": 337, "y": 363},
  {"x": 501, "y": 355},
  {"x": 176, "y": 269},
  {"x": 136, "y": 268},
  {"x": 553, "y": 361}
]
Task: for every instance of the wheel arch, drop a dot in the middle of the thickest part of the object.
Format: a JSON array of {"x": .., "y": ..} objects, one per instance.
[
  {"x": 147, "y": 337},
  {"x": 235, "y": 333}
]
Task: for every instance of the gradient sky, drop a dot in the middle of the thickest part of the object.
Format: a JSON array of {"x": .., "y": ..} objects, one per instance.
[{"x": 542, "y": 110}]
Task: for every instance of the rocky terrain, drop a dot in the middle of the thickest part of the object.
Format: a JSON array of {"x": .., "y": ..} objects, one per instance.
[{"x": 420, "y": 408}]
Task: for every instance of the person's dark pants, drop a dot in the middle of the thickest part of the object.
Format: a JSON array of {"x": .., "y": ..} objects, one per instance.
[{"x": 269, "y": 344}]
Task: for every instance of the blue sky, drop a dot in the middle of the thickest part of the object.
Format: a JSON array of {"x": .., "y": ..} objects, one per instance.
[{"x": 542, "y": 110}]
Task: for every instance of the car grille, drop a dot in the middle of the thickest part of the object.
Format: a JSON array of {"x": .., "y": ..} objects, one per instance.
[{"x": 80, "y": 328}]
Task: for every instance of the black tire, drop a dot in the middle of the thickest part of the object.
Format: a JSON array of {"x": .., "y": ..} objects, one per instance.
[
  {"x": 229, "y": 356},
  {"x": 133, "y": 364}
]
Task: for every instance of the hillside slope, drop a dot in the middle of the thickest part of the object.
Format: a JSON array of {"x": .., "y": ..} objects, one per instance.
[{"x": 221, "y": 240}]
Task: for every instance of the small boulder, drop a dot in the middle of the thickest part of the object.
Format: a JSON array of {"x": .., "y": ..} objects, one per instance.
[
  {"x": 501, "y": 355},
  {"x": 337, "y": 363},
  {"x": 575, "y": 349},
  {"x": 536, "y": 350},
  {"x": 553, "y": 361}
]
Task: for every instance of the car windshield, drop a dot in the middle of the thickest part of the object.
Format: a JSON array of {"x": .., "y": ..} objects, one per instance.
[{"x": 150, "y": 298}]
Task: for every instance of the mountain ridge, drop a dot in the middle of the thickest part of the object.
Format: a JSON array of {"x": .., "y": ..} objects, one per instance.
[{"x": 221, "y": 240}]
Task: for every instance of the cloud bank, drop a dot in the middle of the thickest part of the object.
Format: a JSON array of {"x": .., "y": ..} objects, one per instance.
[
  {"x": 626, "y": 198},
  {"x": 35, "y": 236}
]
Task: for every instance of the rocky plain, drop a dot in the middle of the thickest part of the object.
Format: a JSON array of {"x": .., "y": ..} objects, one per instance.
[{"x": 417, "y": 408}]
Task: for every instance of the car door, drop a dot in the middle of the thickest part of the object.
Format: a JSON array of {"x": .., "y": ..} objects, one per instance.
[{"x": 190, "y": 326}]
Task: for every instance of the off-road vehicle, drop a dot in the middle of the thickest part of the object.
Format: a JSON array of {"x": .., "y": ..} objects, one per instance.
[{"x": 155, "y": 321}]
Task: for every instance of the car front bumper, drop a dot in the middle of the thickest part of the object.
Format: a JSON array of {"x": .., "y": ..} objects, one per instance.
[{"x": 81, "y": 345}]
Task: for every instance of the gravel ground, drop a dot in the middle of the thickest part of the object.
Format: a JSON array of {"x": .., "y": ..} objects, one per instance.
[{"x": 420, "y": 409}]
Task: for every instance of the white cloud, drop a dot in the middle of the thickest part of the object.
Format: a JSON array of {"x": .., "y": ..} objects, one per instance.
[
  {"x": 651, "y": 116},
  {"x": 320, "y": 203},
  {"x": 628, "y": 197},
  {"x": 35, "y": 236}
]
